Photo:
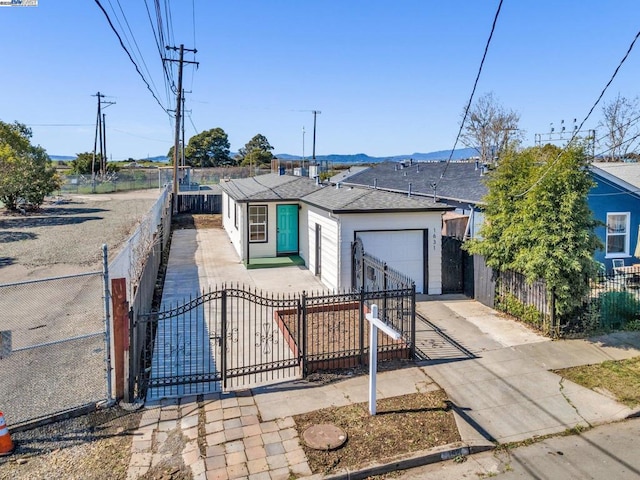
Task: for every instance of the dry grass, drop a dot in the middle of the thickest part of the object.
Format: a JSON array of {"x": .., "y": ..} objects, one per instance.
[
  {"x": 620, "y": 378},
  {"x": 404, "y": 424}
]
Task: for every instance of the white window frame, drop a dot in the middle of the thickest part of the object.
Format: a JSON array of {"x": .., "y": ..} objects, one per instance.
[
  {"x": 264, "y": 236},
  {"x": 626, "y": 233}
]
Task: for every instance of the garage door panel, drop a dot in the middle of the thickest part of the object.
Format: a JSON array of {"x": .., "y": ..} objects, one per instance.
[{"x": 401, "y": 250}]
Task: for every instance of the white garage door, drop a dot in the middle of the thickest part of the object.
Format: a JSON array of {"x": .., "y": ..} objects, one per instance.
[{"x": 401, "y": 250}]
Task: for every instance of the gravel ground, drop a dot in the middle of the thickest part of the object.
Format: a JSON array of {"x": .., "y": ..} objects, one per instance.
[
  {"x": 61, "y": 239},
  {"x": 65, "y": 238}
]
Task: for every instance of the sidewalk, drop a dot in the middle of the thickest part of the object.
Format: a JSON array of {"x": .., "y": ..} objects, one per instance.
[{"x": 495, "y": 372}]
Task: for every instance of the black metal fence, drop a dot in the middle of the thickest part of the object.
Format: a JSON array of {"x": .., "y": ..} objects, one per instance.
[
  {"x": 613, "y": 301},
  {"x": 236, "y": 337}
]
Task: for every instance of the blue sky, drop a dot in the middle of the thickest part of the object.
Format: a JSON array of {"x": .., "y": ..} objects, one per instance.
[{"x": 390, "y": 78}]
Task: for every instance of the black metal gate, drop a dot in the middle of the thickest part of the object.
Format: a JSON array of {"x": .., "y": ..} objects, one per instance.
[
  {"x": 238, "y": 338},
  {"x": 453, "y": 260},
  {"x": 225, "y": 338}
]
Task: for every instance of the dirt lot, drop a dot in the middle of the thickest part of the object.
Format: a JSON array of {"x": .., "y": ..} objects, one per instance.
[{"x": 66, "y": 235}]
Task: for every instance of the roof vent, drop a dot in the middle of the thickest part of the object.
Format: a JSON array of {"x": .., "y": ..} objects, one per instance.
[
  {"x": 338, "y": 186},
  {"x": 409, "y": 195},
  {"x": 375, "y": 183}
]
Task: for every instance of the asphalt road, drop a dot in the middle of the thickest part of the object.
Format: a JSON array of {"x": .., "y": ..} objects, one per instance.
[{"x": 609, "y": 451}]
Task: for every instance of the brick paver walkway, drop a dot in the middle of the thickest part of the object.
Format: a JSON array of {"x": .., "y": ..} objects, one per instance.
[{"x": 233, "y": 443}]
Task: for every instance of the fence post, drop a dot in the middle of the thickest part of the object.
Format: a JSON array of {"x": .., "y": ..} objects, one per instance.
[
  {"x": 134, "y": 354},
  {"x": 302, "y": 332},
  {"x": 361, "y": 339},
  {"x": 120, "y": 332},
  {"x": 413, "y": 320},
  {"x": 554, "y": 328},
  {"x": 223, "y": 333},
  {"x": 107, "y": 321},
  {"x": 385, "y": 274}
]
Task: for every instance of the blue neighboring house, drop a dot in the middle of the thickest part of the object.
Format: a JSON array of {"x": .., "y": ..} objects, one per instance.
[{"x": 615, "y": 201}]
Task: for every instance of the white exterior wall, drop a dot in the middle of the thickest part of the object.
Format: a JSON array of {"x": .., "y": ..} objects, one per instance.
[
  {"x": 330, "y": 242},
  {"x": 268, "y": 248},
  {"x": 432, "y": 221},
  {"x": 303, "y": 233},
  {"x": 229, "y": 209}
]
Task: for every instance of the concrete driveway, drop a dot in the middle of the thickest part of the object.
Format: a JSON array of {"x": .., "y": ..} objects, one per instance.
[{"x": 502, "y": 384}]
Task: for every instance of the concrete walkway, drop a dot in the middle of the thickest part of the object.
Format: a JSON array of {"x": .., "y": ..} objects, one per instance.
[
  {"x": 506, "y": 389},
  {"x": 494, "y": 370}
]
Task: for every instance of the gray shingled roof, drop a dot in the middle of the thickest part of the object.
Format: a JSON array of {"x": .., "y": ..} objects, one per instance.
[
  {"x": 627, "y": 172},
  {"x": 273, "y": 187},
  {"x": 368, "y": 200},
  {"x": 269, "y": 187},
  {"x": 461, "y": 182}
]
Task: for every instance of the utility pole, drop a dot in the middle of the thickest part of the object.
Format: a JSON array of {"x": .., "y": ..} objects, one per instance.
[
  {"x": 315, "y": 113},
  {"x": 101, "y": 135},
  {"x": 104, "y": 144},
  {"x": 176, "y": 145},
  {"x": 183, "y": 139}
]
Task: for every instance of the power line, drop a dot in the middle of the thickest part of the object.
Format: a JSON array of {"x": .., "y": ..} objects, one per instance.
[
  {"x": 573, "y": 136},
  {"x": 473, "y": 91},
  {"x": 133, "y": 38},
  {"x": 129, "y": 55}
]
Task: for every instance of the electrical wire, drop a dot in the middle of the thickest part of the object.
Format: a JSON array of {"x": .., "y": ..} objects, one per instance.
[
  {"x": 473, "y": 91},
  {"x": 140, "y": 56},
  {"x": 573, "y": 136},
  {"x": 159, "y": 44},
  {"x": 130, "y": 57}
]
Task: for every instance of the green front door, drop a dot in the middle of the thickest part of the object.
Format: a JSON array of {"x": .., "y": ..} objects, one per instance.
[{"x": 287, "y": 229}]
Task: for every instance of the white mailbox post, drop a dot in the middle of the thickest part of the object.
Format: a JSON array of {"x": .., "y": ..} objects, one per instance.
[{"x": 376, "y": 324}]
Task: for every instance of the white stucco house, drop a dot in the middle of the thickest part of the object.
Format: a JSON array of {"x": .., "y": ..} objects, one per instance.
[{"x": 280, "y": 215}]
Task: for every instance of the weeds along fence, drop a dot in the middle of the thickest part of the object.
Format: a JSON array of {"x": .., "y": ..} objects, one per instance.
[
  {"x": 143, "y": 250},
  {"x": 53, "y": 347}
]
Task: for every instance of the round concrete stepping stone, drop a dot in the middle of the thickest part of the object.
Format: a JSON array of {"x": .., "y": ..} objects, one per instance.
[{"x": 324, "y": 436}]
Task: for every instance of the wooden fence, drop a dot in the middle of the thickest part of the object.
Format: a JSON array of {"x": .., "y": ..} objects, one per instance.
[{"x": 199, "y": 202}]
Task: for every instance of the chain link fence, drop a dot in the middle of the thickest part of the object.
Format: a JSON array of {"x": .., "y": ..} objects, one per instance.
[
  {"x": 155, "y": 177},
  {"x": 52, "y": 346}
]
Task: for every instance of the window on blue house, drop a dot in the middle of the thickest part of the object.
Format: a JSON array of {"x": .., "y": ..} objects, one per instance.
[
  {"x": 257, "y": 223},
  {"x": 618, "y": 234}
]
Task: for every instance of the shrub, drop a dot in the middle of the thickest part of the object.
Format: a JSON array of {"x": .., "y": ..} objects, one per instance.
[{"x": 618, "y": 309}]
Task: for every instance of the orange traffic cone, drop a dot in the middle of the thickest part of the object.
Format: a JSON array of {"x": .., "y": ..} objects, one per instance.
[{"x": 6, "y": 445}]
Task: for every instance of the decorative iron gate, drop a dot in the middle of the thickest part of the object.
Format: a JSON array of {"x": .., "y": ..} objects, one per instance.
[
  {"x": 237, "y": 338},
  {"x": 371, "y": 274},
  {"x": 223, "y": 339}
]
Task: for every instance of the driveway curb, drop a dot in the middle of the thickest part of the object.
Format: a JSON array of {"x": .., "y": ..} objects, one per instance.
[{"x": 404, "y": 462}]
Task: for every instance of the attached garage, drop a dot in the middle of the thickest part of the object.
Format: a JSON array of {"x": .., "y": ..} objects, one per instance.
[
  {"x": 402, "y": 250},
  {"x": 323, "y": 222}
]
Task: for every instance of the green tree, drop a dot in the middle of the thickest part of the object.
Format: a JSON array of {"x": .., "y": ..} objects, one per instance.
[
  {"x": 208, "y": 149},
  {"x": 538, "y": 221},
  {"x": 82, "y": 164},
  {"x": 26, "y": 171},
  {"x": 256, "y": 152}
]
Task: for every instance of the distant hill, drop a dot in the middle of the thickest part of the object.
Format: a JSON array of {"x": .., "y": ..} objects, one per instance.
[
  {"x": 62, "y": 158},
  {"x": 441, "y": 155}
]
